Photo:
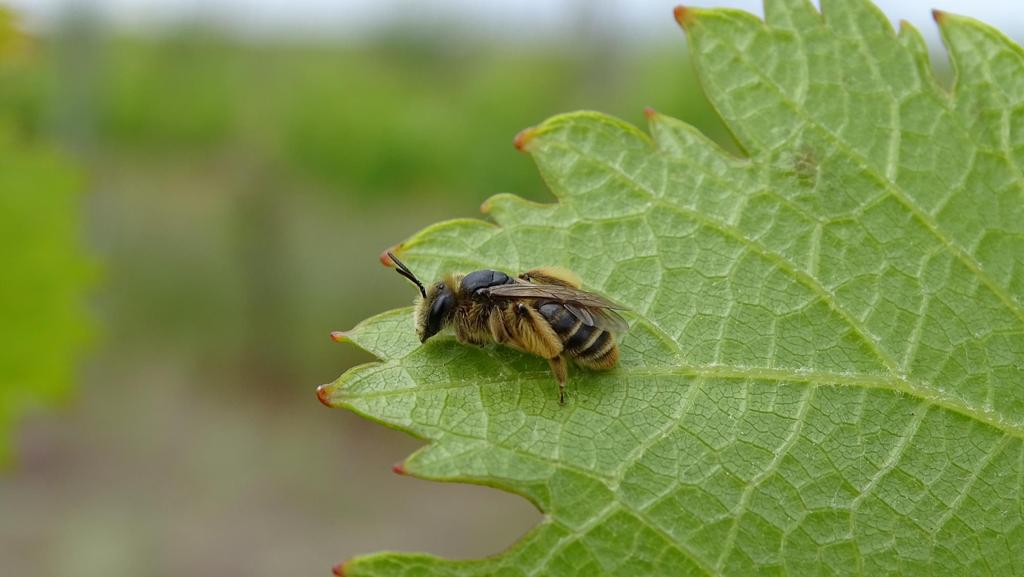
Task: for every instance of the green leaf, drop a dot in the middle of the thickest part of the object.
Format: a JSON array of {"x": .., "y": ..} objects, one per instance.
[
  {"x": 43, "y": 271},
  {"x": 824, "y": 369},
  {"x": 45, "y": 274}
]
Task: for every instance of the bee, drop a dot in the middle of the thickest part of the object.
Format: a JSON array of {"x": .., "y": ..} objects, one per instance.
[{"x": 541, "y": 312}]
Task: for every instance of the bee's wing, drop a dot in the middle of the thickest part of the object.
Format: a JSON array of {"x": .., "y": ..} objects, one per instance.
[
  {"x": 604, "y": 318},
  {"x": 601, "y": 318},
  {"x": 557, "y": 293},
  {"x": 590, "y": 308}
]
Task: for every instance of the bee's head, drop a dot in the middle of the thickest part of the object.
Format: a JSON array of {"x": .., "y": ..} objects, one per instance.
[
  {"x": 434, "y": 310},
  {"x": 435, "y": 305}
]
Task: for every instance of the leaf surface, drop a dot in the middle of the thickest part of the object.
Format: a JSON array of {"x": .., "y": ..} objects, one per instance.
[{"x": 824, "y": 368}]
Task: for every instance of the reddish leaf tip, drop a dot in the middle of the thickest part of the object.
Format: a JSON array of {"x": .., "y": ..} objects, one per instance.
[
  {"x": 385, "y": 258},
  {"x": 486, "y": 206},
  {"x": 339, "y": 336},
  {"x": 684, "y": 16},
  {"x": 399, "y": 469},
  {"x": 322, "y": 393},
  {"x": 938, "y": 15},
  {"x": 339, "y": 569},
  {"x": 523, "y": 138},
  {"x": 650, "y": 113}
]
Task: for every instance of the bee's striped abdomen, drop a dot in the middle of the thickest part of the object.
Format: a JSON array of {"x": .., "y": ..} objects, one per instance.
[
  {"x": 589, "y": 345},
  {"x": 560, "y": 319},
  {"x": 596, "y": 350}
]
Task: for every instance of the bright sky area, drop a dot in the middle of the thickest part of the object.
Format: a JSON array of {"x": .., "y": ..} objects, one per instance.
[{"x": 637, "y": 21}]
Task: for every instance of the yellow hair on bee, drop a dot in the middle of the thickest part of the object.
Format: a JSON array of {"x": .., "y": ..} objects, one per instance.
[
  {"x": 534, "y": 334},
  {"x": 553, "y": 275}
]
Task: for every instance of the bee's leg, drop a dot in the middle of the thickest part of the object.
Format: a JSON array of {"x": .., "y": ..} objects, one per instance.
[
  {"x": 496, "y": 324},
  {"x": 468, "y": 337},
  {"x": 559, "y": 370},
  {"x": 530, "y": 332}
]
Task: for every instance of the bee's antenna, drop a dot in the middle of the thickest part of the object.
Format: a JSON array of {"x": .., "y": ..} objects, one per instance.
[{"x": 404, "y": 271}]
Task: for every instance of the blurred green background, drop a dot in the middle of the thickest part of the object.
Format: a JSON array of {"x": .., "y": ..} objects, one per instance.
[{"x": 190, "y": 212}]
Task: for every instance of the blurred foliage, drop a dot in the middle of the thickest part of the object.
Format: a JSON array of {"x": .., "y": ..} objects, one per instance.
[
  {"x": 393, "y": 117},
  {"x": 44, "y": 268},
  {"x": 228, "y": 173},
  {"x": 178, "y": 94}
]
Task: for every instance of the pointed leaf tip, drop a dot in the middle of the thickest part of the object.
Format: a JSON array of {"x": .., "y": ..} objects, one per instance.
[
  {"x": 323, "y": 395},
  {"x": 938, "y": 16},
  {"x": 339, "y": 336},
  {"x": 339, "y": 569},
  {"x": 650, "y": 113},
  {"x": 385, "y": 258},
  {"x": 683, "y": 15},
  {"x": 399, "y": 469},
  {"x": 523, "y": 138}
]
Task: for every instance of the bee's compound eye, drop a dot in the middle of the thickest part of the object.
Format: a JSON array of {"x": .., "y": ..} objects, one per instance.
[
  {"x": 442, "y": 304},
  {"x": 439, "y": 311}
]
